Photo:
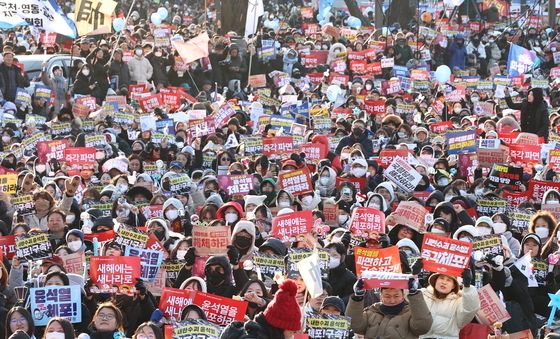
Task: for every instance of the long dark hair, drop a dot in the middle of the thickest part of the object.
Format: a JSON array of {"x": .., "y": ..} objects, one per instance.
[
  {"x": 66, "y": 326},
  {"x": 154, "y": 327},
  {"x": 25, "y": 313},
  {"x": 118, "y": 315}
]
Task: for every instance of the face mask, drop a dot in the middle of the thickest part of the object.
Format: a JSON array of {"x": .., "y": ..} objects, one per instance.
[
  {"x": 463, "y": 192},
  {"x": 358, "y": 171},
  {"x": 542, "y": 232},
  {"x": 342, "y": 219},
  {"x": 324, "y": 181},
  {"x": 231, "y": 217},
  {"x": 41, "y": 168},
  {"x": 55, "y": 335},
  {"x": 449, "y": 197},
  {"x": 368, "y": 87},
  {"x": 401, "y": 135},
  {"x": 334, "y": 263},
  {"x": 499, "y": 227},
  {"x": 443, "y": 181},
  {"x": 475, "y": 99},
  {"x": 138, "y": 52},
  {"x": 85, "y": 72},
  {"x": 346, "y": 191},
  {"x": 214, "y": 277},
  {"x": 74, "y": 245},
  {"x": 123, "y": 213},
  {"x": 408, "y": 253},
  {"x": 457, "y": 110},
  {"x": 181, "y": 254},
  {"x": 553, "y": 202},
  {"x": 479, "y": 191},
  {"x": 307, "y": 200},
  {"x": 467, "y": 239},
  {"x": 482, "y": 231},
  {"x": 160, "y": 234},
  {"x": 376, "y": 206},
  {"x": 437, "y": 231},
  {"x": 172, "y": 214},
  {"x": 122, "y": 187},
  {"x": 158, "y": 54},
  {"x": 357, "y": 132},
  {"x": 283, "y": 203},
  {"x": 6, "y": 139},
  {"x": 243, "y": 242},
  {"x": 70, "y": 218}
]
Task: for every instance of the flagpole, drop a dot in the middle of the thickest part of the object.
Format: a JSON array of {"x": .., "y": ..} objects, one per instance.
[
  {"x": 254, "y": 28},
  {"x": 121, "y": 32}
]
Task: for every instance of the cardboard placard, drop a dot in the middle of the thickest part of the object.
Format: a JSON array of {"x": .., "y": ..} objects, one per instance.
[
  {"x": 538, "y": 188},
  {"x": 106, "y": 272},
  {"x": 488, "y": 157},
  {"x": 411, "y": 214},
  {"x": 289, "y": 225},
  {"x": 387, "y": 156},
  {"x": 501, "y": 175},
  {"x": 56, "y": 301},
  {"x": 314, "y": 152},
  {"x": 8, "y": 183},
  {"x": 131, "y": 237},
  {"x": 220, "y": 310},
  {"x": 193, "y": 329},
  {"x": 51, "y": 149},
  {"x": 327, "y": 326},
  {"x": 489, "y": 207},
  {"x": 296, "y": 182},
  {"x": 365, "y": 221},
  {"x": 488, "y": 244},
  {"x": 445, "y": 255},
  {"x": 8, "y": 246},
  {"x": 379, "y": 259},
  {"x": 74, "y": 262},
  {"x": 403, "y": 175},
  {"x": 211, "y": 240},
  {"x": 257, "y": 80},
  {"x": 492, "y": 309}
]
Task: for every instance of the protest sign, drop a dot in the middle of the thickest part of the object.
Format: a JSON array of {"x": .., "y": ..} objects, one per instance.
[
  {"x": 489, "y": 207},
  {"x": 552, "y": 208},
  {"x": 502, "y": 175},
  {"x": 379, "y": 259},
  {"x": 174, "y": 300},
  {"x": 440, "y": 127},
  {"x": 150, "y": 261},
  {"x": 211, "y": 240},
  {"x": 515, "y": 198},
  {"x": 463, "y": 141},
  {"x": 172, "y": 269},
  {"x": 488, "y": 245},
  {"x": 292, "y": 224},
  {"x": 236, "y": 185},
  {"x": 152, "y": 211},
  {"x": 253, "y": 145},
  {"x": 365, "y": 220},
  {"x": 314, "y": 152},
  {"x": 445, "y": 255},
  {"x": 131, "y": 237},
  {"x": 296, "y": 255},
  {"x": 74, "y": 262},
  {"x": 220, "y": 310},
  {"x": 278, "y": 145},
  {"x": 492, "y": 309},
  {"x": 32, "y": 247},
  {"x": 268, "y": 264},
  {"x": 79, "y": 156},
  {"x": 358, "y": 183},
  {"x": 528, "y": 154},
  {"x": 150, "y": 102},
  {"x": 553, "y": 160},
  {"x": 319, "y": 326},
  {"x": 201, "y": 127},
  {"x": 489, "y": 157},
  {"x": 538, "y": 188},
  {"x": 411, "y": 214},
  {"x": 374, "y": 106},
  {"x": 387, "y": 156},
  {"x": 403, "y": 175},
  {"x": 56, "y": 301},
  {"x": 519, "y": 219},
  {"x": 8, "y": 246},
  {"x": 194, "y": 329},
  {"x": 373, "y": 279},
  {"x": 112, "y": 274},
  {"x": 51, "y": 149},
  {"x": 8, "y": 183},
  {"x": 296, "y": 182}
]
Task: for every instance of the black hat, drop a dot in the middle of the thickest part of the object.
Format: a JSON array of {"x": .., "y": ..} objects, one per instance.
[{"x": 333, "y": 301}]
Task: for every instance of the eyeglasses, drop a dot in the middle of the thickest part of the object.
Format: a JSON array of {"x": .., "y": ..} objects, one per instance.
[
  {"x": 225, "y": 159},
  {"x": 106, "y": 316},
  {"x": 19, "y": 321}
]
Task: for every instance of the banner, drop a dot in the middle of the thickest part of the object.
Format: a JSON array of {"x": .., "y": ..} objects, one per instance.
[
  {"x": 373, "y": 279},
  {"x": 379, "y": 260},
  {"x": 106, "y": 272},
  {"x": 445, "y": 255},
  {"x": 296, "y": 182},
  {"x": 194, "y": 49},
  {"x": 220, "y": 310},
  {"x": 94, "y": 16},
  {"x": 319, "y": 326},
  {"x": 403, "y": 175},
  {"x": 292, "y": 224},
  {"x": 239, "y": 184},
  {"x": 8, "y": 183},
  {"x": 411, "y": 214},
  {"x": 193, "y": 329},
  {"x": 150, "y": 261},
  {"x": 32, "y": 247},
  {"x": 211, "y": 240},
  {"x": 501, "y": 175},
  {"x": 492, "y": 309},
  {"x": 520, "y": 60},
  {"x": 56, "y": 301},
  {"x": 461, "y": 141},
  {"x": 174, "y": 300},
  {"x": 365, "y": 221}
]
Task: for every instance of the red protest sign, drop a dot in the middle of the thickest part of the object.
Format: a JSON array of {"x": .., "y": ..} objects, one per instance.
[
  {"x": 337, "y": 78},
  {"x": 240, "y": 184},
  {"x": 554, "y": 160},
  {"x": 387, "y": 156},
  {"x": 51, "y": 149},
  {"x": 153, "y": 211},
  {"x": 79, "y": 155},
  {"x": 508, "y": 137},
  {"x": 411, "y": 214},
  {"x": 174, "y": 300},
  {"x": 105, "y": 272},
  {"x": 101, "y": 236},
  {"x": 445, "y": 255},
  {"x": 220, "y": 310},
  {"x": 47, "y": 39},
  {"x": 374, "y": 106},
  {"x": 374, "y": 68},
  {"x": 492, "y": 309},
  {"x": 359, "y": 66},
  {"x": 278, "y": 145},
  {"x": 529, "y": 154},
  {"x": 357, "y": 56},
  {"x": 488, "y": 157},
  {"x": 380, "y": 260},
  {"x": 292, "y": 224},
  {"x": 515, "y": 198},
  {"x": 211, "y": 240},
  {"x": 373, "y": 279},
  {"x": 315, "y": 58},
  {"x": 8, "y": 246},
  {"x": 538, "y": 188},
  {"x": 359, "y": 183},
  {"x": 149, "y": 103},
  {"x": 315, "y": 78},
  {"x": 367, "y": 220},
  {"x": 440, "y": 127},
  {"x": 314, "y": 152},
  {"x": 296, "y": 182},
  {"x": 171, "y": 100},
  {"x": 138, "y": 88},
  {"x": 88, "y": 101}
]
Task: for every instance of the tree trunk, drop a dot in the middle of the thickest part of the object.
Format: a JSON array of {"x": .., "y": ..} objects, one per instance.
[
  {"x": 233, "y": 15},
  {"x": 355, "y": 11}
]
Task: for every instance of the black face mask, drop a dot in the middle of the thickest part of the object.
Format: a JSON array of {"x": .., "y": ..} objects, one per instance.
[
  {"x": 243, "y": 242},
  {"x": 215, "y": 277},
  {"x": 357, "y": 132},
  {"x": 208, "y": 193}
]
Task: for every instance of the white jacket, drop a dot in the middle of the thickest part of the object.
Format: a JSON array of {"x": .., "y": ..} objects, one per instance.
[
  {"x": 452, "y": 313},
  {"x": 140, "y": 69}
]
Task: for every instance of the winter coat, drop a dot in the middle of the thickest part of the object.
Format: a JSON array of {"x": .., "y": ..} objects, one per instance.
[
  {"x": 33, "y": 221},
  {"x": 328, "y": 189},
  {"x": 342, "y": 281},
  {"x": 141, "y": 70},
  {"x": 82, "y": 83},
  {"x": 120, "y": 69},
  {"x": 452, "y": 313},
  {"x": 10, "y": 79},
  {"x": 457, "y": 56},
  {"x": 159, "y": 75},
  {"x": 534, "y": 118},
  {"x": 350, "y": 140},
  {"x": 414, "y": 319}
]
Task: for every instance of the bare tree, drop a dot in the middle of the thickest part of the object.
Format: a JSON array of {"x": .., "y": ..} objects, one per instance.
[
  {"x": 233, "y": 15},
  {"x": 354, "y": 10}
]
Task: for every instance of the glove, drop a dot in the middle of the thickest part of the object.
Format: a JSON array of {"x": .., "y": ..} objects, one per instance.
[
  {"x": 467, "y": 277},
  {"x": 384, "y": 241},
  {"x": 497, "y": 262},
  {"x": 71, "y": 185},
  {"x": 233, "y": 255},
  {"x": 417, "y": 267},
  {"x": 412, "y": 286},
  {"x": 190, "y": 257},
  {"x": 156, "y": 316},
  {"x": 140, "y": 287},
  {"x": 346, "y": 237},
  {"x": 359, "y": 290}
]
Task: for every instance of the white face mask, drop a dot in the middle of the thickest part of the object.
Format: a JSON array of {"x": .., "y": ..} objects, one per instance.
[
  {"x": 122, "y": 187},
  {"x": 324, "y": 181},
  {"x": 553, "y": 202},
  {"x": 283, "y": 203},
  {"x": 138, "y": 52},
  {"x": 479, "y": 191},
  {"x": 499, "y": 227},
  {"x": 307, "y": 200},
  {"x": 172, "y": 214},
  {"x": 41, "y": 168},
  {"x": 437, "y": 231},
  {"x": 231, "y": 217},
  {"x": 358, "y": 172},
  {"x": 181, "y": 254},
  {"x": 85, "y": 72},
  {"x": 55, "y": 335},
  {"x": 158, "y": 54},
  {"x": 6, "y": 139},
  {"x": 463, "y": 193},
  {"x": 342, "y": 219},
  {"x": 334, "y": 263},
  {"x": 457, "y": 110},
  {"x": 376, "y": 206},
  {"x": 70, "y": 219},
  {"x": 448, "y": 197},
  {"x": 74, "y": 245},
  {"x": 401, "y": 135},
  {"x": 542, "y": 232},
  {"x": 482, "y": 231},
  {"x": 467, "y": 239}
]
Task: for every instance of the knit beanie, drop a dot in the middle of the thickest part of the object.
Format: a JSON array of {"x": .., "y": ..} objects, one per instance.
[{"x": 283, "y": 312}]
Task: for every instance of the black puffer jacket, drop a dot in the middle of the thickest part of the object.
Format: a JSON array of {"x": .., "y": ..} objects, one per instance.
[{"x": 534, "y": 116}]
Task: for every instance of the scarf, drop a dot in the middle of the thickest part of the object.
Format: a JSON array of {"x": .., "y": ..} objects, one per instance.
[{"x": 393, "y": 310}]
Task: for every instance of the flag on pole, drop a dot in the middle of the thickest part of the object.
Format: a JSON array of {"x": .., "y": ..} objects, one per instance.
[
  {"x": 194, "y": 49},
  {"x": 43, "y": 14},
  {"x": 524, "y": 266},
  {"x": 94, "y": 16},
  {"x": 254, "y": 11},
  {"x": 521, "y": 60},
  {"x": 310, "y": 271}
]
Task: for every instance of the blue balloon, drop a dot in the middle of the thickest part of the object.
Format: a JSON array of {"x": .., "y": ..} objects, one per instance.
[
  {"x": 354, "y": 22},
  {"x": 118, "y": 24},
  {"x": 442, "y": 74},
  {"x": 163, "y": 13},
  {"x": 156, "y": 19}
]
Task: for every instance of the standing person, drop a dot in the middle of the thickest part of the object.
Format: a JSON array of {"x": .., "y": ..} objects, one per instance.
[
  {"x": 140, "y": 68},
  {"x": 97, "y": 62},
  {"x": 159, "y": 64},
  {"x": 57, "y": 83},
  {"x": 11, "y": 77},
  {"x": 119, "y": 68},
  {"x": 457, "y": 53},
  {"x": 534, "y": 112}
]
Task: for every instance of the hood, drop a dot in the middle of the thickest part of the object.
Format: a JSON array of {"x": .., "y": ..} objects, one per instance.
[
  {"x": 200, "y": 281},
  {"x": 384, "y": 206},
  {"x": 470, "y": 229},
  {"x": 446, "y": 207},
  {"x": 314, "y": 202},
  {"x": 289, "y": 60},
  {"x": 438, "y": 195},
  {"x": 266, "y": 210},
  {"x": 165, "y": 224},
  {"x": 408, "y": 243},
  {"x": 275, "y": 245},
  {"x": 247, "y": 226},
  {"x": 254, "y": 199},
  {"x": 236, "y": 205},
  {"x": 289, "y": 195},
  {"x": 388, "y": 186},
  {"x": 432, "y": 281},
  {"x": 222, "y": 261},
  {"x": 416, "y": 238},
  {"x": 175, "y": 202},
  {"x": 546, "y": 194}
]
